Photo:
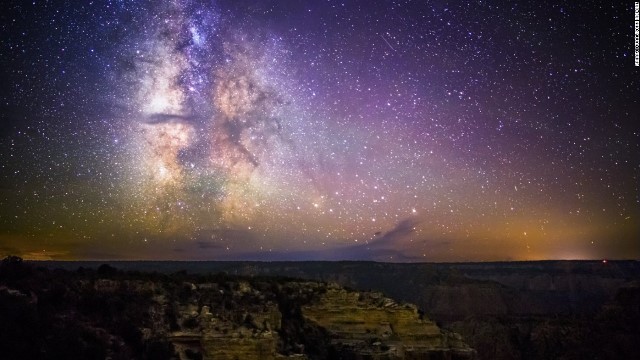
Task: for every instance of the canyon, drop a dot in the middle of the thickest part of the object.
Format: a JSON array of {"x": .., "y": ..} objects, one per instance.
[{"x": 104, "y": 312}]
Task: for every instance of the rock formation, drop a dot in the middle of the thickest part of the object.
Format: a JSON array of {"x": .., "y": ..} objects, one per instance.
[
  {"x": 108, "y": 313},
  {"x": 369, "y": 325},
  {"x": 504, "y": 310}
]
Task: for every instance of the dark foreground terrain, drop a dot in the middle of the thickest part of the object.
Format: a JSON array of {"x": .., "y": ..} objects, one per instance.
[
  {"x": 106, "y": 313},
  {"x": 508, "y": 310}
]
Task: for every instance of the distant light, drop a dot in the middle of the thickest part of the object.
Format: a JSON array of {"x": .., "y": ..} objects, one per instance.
[{"x": 604, "y": 261}]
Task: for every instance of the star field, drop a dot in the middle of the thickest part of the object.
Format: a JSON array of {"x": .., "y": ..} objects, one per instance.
[{"x": 305, "y": 130}]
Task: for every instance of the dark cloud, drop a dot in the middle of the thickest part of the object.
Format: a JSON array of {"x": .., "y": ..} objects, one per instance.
[
  {"x": 163, "y": 118},
  {"x": 206, "y": 245},
  {"x": 97, "y": 255},
  {"x": 383, "y": 248},
  {"x": 354, "y": 253},
  {"x": 404, "y": 228}
]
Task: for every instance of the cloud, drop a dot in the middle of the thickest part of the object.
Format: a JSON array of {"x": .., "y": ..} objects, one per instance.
[
  {"x": 159, "y": 118},
  {"x": 383, "y": 248},
  {"x": 45, "y": 255},
  {"x": 97, "y": 254},
  {"x": 402, "y": 229},
  {"x": 205, "y": 245}
]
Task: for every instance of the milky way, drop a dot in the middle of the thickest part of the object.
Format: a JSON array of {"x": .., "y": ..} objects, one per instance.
[{"x": 390, "y": 131}]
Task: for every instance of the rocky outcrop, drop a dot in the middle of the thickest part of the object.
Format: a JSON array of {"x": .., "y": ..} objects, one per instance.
[
  {"x": 371, "y": 326},
  {"x": 241, "y": 321},
  {"x": 504, "y": 310},
  {"x": 111, "y": 314},
  {"x": 227, "y": 320}
]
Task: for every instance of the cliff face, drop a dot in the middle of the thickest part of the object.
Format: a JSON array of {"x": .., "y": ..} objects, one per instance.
[
  {"x": 262, "y": 320},
  {"x": 368, "y": 325},
  {"x": 508, "y": 310},
  {"x": 226, "y": 320},
  {"x": 529, "y": 310},
  {"x": 520, "y": 310},
  {"x": 107, "y": 313}
]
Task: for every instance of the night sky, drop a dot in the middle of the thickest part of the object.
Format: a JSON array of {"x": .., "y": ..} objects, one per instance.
[{"x": 307, "y": 130}]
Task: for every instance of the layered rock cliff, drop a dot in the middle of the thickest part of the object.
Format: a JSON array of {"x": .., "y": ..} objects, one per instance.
[
  {"x": 89, "y": 314},
  {"x": 504, "y": 310},
  {"x": 368, "y": 325}
]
